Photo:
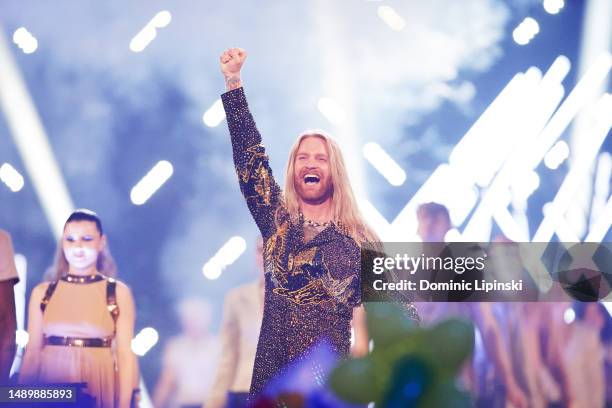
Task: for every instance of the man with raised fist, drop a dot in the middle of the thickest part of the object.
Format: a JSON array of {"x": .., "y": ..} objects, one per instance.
[{"x": 312, "y": 233}]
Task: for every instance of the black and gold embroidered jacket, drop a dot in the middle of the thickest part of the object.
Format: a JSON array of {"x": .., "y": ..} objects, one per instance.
[{"x": 310, "y": 287}]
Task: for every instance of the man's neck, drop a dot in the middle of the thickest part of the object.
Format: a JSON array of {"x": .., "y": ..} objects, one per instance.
[{"x": 317, "y": 212}]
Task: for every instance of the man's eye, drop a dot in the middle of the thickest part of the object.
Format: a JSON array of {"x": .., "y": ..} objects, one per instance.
[
  {"x": 69, "y": 239},
  {"x": 87, "y": 238}
]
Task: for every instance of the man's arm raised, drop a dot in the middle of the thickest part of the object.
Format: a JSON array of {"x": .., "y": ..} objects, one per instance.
[{"x": 260, "y": 190}]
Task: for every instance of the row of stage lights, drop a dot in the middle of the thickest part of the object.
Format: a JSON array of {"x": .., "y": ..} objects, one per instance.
[{"x": 162, "y": 171}]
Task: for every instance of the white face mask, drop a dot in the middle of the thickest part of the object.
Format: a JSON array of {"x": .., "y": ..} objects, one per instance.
[{"x": 81, "y": 258}]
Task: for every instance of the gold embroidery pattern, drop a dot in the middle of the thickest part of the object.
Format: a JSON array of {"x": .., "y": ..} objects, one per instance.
[
  {"x": 255, "y": 170},
  {"x": 275, "y": 246},
  {"x": 319, "y": 289}
]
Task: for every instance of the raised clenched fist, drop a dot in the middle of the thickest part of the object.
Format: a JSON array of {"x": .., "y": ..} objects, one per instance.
[{"x": 232, "y": 60}]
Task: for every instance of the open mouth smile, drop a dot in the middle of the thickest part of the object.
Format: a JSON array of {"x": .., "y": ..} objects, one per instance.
[{"x": 311, "y": 179}]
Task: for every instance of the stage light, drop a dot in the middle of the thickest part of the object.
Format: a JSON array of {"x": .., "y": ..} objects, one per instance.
[
  {"x": 21, "y": 338},
  {"x": 214, "y": 115},
  {"x": 553, "y": 6},
  {"x": 25, "y": 40},
  {"x": 375, "y": 219},
  {"x": 151, "y": 182},
  {"x": 601, "y": 189},
  {"x": 331, "y": 110},
  {"x": 144, "y": 341},
  {"x": 11, "y": 177},
  {"x": 556, "y": 155},
  {"x": 569, "y": 316},
  {"x": 162, "y": 19},
  {"x": 384, "y": 163},
  {"x": 525, "y": 184},
  {"x": 608, "y": 306},
  {"x": 225, "y": 256},
  {"x": 526, "y": 31},
  {"x": 592, "y": 141},
  {"x": 600, "y": 226},
  {"x": 32, "y": 143},
  {"x": 391, "y": 18},
  {"x": 149, "y": 31},
  {"x": 575, "y": 101},
  {"x": 518, "y": 114},
  {"x": 453, "y": 235},
  {"x": 212, "y": 270}
]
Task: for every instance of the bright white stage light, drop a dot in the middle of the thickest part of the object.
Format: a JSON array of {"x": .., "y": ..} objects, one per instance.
[
  {"x": 144, "y": 341},
  {"x": 214, "y": 115},
  {"x": 391, "y": 18},
  {"x": 528, "y": 102},
  {"x": 11, "y": 177},
  {"x": 149, "y": 31},
  {"x": 162, "y": 19},
  {"x": 212, "y": 270},
  {"x": 601, "y": 190},
  {"x": 556, "y": 155},
  {"x": 525, "y": 184},
  {"x": 553, "y": 6},
  {"x": 575, "y": 101},
  {"x": 25, "y": 40},
  {"x": 608, "y": 306},
  {"x": 151, "y": 182},
  {"x": 21, "y": 338},
  {"x": 384, "y": 163},
  {"x": 526, "y": 31},
  {"x": 32, "y": 143},
  {"x": 225, "y": 256},
  {"x": 331, "y": 110},
  {"x": 569, "y": 316},
  {"x": 593, "y": 140},
  {"x": 375, "y": 220},
  {"x": 453, "y": 235},
  {"x": 599, "y": 228}
]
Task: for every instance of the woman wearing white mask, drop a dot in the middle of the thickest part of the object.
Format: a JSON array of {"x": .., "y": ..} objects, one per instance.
[{"x": 81, "y": 324}]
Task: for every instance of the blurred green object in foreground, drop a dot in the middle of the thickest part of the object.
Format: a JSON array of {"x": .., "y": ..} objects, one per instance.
[{"x": 410, "y": 366}]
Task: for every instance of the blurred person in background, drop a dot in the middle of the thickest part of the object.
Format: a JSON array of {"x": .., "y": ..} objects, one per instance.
[
  {"x": 8, "y": 322},
  {"x": 529, "y": 322},
  {"x": 490, "y": 379},
  {"x": 81, "y": 324},
  {"x": 584, "y": 356},
  {"x": 189, "y": 360},
  {"x": 242, "y": 315}
]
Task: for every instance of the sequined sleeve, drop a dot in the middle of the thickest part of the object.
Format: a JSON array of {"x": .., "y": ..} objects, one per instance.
[{"x": 257, "y": 184}]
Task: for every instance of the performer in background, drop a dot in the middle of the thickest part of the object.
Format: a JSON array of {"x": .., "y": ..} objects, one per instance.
[
  {"x": 434, "y": 223},
  {"x": 189, "y": 359},
  {"x": 242, "y": 315},
  {"x": 74, "y": 320},
  {"x": 312, "y": 236},
  {"x": 8, "y": 323}
]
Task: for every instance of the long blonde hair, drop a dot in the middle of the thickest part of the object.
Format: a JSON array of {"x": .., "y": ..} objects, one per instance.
[{"x": 344, "y": 206}]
